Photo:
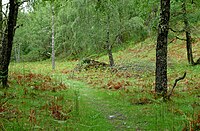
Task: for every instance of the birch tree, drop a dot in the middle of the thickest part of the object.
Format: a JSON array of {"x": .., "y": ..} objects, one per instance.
[{"x": 53, "y": 36}]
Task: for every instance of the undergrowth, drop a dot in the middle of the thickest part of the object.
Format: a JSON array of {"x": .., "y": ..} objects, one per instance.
[{"x": 102, "y": 99}]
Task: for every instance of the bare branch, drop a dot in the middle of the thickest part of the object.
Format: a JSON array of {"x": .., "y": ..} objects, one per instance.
[
  {"x": 197, "y": 62},
  {"x": 180, "y": 38},
  {"x": 178, "y": 79},
  {"x": 19, "y": 3},
  {"x": 2, "y": 32},
  {"x": 177, "y": 13},
  {"x": 22, "y": 2},
  {"x": 172, "y": 40},
  {"x": 6, "y": 11},
  {"x": 177, "y": 31},
  {"x": 17, "y": 26}
]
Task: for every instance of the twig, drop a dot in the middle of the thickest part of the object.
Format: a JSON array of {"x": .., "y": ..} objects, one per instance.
[
  {"x": 19, "y": 3},
  {"x": 179, "y": 31},
  {"x": 5, "y": 15},
  {"x": 178, "y": 79},
  {"x": 180, "y": 38},
  {"x": 197, "y": 62},
  {"x": 3, "y": 103},
  {"x": 2, "y": 32},
  {"x": 172, "y": 41},
  {"x": 22, "y": 2},
  {"x": 18, "y": 26}
]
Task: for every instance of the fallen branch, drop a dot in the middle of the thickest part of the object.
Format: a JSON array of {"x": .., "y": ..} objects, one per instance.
[{"x": 178, "y": 79}]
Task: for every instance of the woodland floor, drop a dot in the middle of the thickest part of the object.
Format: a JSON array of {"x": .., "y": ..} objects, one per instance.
[
  {"x": 114, "y": 114},
  {"x": 100, "y": 99}
]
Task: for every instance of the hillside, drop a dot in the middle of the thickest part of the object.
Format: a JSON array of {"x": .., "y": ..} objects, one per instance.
[{"x": 103, "y": 99}]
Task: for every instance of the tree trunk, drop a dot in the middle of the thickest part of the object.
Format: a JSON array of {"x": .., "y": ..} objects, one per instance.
[
  {"x": 108, "y": 45},
  {"x": 53, "y": 41},
  {"x": 8, "y": 41},
  {"x": 188, "y": 35},
  {"x": 161, "y": 49},
  {"x": 1, "y": 31},
  {"x": 17, "y": 53}
]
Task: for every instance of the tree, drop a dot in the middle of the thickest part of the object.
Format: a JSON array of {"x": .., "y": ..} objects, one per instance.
[
  {"x": 53, "y": 36},
  {"x": 106, "y": 8},
  {"x": 74, "y": 17},
  {"x": 187, "y": 34},
  {"x": 35, "y": 36},
  {"x": 161, "y": 49},
  {"x": 7, "y": 41},
  {"x": 188, "y": 14},
  {"x": 108, "y": 44},
  {"x": 1, "y": 27}
]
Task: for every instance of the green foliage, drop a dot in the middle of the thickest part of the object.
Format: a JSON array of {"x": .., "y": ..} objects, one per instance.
[
  {"x": 193, "y": 14},
  {"x": 80, "y": 27},
  {"x": 118, "y": 99},
  {"x": 135, "y": 27},
  {"x": 102, "y": 99},
  {"x": 34, "y": 36}
]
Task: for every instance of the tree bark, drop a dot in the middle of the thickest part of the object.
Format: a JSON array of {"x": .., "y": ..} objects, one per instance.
[
  {"x": 188, "y": 35},
  {"x": 7, "y": 41},
  {"x": 161, "y": 49},
  {"x": 1, "y": 30},
  {"x": 108, "y": 45},
  {"x": 17, "y": 53},
  {"x": 53, "y": 41}
]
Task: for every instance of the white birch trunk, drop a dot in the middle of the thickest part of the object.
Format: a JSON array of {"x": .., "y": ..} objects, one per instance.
[{"x": 53, "y": 41}]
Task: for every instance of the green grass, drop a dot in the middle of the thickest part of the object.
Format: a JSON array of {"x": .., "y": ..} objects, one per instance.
[{"x": 42, "y": 99}]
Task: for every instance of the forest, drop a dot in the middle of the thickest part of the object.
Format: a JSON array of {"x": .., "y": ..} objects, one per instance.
[{"x": 100, "y": 65}]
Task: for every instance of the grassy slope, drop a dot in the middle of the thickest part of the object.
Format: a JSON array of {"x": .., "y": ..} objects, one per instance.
[{"x": 90, "y": 102}]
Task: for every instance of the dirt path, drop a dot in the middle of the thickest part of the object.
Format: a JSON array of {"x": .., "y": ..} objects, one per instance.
[{"x": 105, "y": 103}]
